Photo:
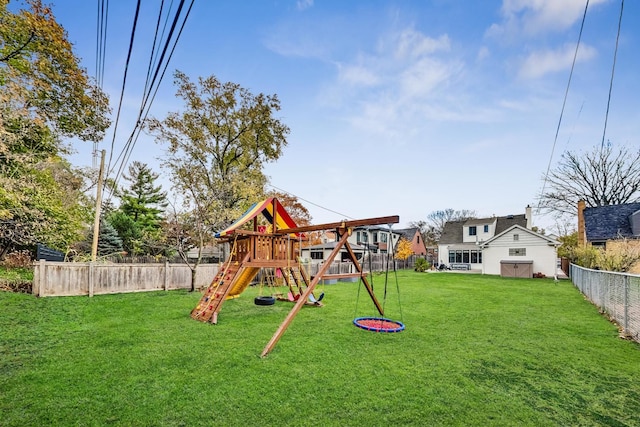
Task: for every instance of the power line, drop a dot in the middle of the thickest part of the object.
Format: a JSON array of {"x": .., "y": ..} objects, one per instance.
[
  {"x": 147, "y": 97},
  {"x": 124, "y": 83},
  {"x": 310, "y": 202},
  {"x": 613, "y": 69},
  {"x": 101, "y": 47},
  {"x": 564, "y": 103}
]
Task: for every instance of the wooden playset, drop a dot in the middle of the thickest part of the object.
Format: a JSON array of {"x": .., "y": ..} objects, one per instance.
[{"x": 277, "y": 247}]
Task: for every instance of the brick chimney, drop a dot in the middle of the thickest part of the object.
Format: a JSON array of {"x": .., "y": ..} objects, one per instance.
[{"x": 582, "y": 237}]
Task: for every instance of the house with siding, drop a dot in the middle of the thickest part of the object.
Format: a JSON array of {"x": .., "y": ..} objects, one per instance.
[
  {"x": 377, "y": 240},
  {"x": 610, "y": 226},
  {"x": 413, "y": 236},
  {"x": 520, "y": 252},
  {"x": 460, "y": 243},
  {"x": 602, "y": 225}
]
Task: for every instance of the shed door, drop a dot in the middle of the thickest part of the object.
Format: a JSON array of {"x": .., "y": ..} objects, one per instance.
[{"x": 514, "y": 269}]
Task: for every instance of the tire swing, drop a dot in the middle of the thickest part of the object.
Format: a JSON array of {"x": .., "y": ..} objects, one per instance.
[
  {"x": 265, "y": 300},
  {"x": 380, "y": 324}
]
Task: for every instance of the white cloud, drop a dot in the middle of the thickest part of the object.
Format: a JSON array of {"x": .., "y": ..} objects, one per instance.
[
  {"x": 542, "y": 62},
  {"x": 413, "y": 44},
  {"x": 304, "y": 4},
  {"x": 533, "y": 17},
  {"x": 422, "y": 77},
  {"x": 406, "y": 66},
  {"x": 483, "y": 53},
  {"x": 358, "y": 75}
]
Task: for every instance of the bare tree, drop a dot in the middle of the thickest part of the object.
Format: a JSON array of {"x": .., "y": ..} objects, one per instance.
[
  {"x": 428, "y": 232},
  {"x": 437, "y": 219},
  {"x": 601, "y": 177}
]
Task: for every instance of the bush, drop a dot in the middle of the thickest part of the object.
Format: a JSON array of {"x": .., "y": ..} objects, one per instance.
[
  {"x": 18, "y": 259},
  {"x": 19, "y": 286},
  {"x": 422, "y": 265},
  {"x": 620, "y": 256}
]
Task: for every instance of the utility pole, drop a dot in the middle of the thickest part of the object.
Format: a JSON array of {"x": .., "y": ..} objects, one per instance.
[{"x": 96, "y": 222}]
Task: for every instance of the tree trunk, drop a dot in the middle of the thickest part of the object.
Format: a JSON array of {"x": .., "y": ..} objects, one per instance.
[{"x": 193, "y": 279}]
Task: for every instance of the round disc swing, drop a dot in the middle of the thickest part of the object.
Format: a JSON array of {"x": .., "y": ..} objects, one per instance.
[{"x": 380, "y": 324}]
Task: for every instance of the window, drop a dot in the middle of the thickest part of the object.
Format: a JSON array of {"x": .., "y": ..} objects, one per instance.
[
  {"x": 517, "y": 251},
  {"x": 375, "y": 237},
  {"x": 472, "y": 230},
  {"x": 465, "y": 257},
  {"x": 384, "y": 237},
  {"x": 317, "y": 255},
  {"x": 486, "y": 228},
  {"x": 516, "y": 237},
  {"x": 418, "y": 237},
  {"x": 452, "y": 256},
  {"x": 362, "y": 237}
]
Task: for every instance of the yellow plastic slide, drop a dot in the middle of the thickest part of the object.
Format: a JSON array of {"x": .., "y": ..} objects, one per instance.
[{"x": 246, "y": 276}]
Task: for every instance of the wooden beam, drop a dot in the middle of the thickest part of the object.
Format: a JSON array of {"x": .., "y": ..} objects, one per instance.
[
  {"x": 368, "y": 286},
  {"x": 344, "y": 224},
  {"x": 342, "y": 276},
  {"x": 303, "y": 298}
]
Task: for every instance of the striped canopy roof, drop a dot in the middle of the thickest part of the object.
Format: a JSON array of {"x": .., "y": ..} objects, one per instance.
[{"x": 265, "y": 207}]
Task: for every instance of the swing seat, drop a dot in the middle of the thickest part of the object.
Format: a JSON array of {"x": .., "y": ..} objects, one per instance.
[
  {"x": 291, "y": 297},
  {"x": 378, "y": 324},
  {"x": 315, "y": 300}
]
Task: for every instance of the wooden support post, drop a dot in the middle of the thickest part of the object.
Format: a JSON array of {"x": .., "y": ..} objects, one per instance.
[
  {"x": 303, "y": 298},
  {"x": 367, "y": 285}
]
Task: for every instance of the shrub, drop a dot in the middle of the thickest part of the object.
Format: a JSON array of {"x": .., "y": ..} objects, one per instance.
[
  {"x": 422, "y": 265},
  {"x": 18, "y": 259},
  {"x": 586, "y": 256},
  {"x": 620, "y": 256}
]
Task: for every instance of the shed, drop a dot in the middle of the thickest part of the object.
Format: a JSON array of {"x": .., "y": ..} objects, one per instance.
[{"x": 510, "y": 268}]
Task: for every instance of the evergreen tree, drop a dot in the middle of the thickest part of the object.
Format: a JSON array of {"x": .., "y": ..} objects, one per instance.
[
  {"x": 128, "y": 231},
  {"x": 142, "y": 201},
  {"x": 108, "y": 240}
]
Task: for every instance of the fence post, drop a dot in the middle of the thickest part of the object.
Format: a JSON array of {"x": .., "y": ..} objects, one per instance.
[
  {"x": 91, "y": 278},
  {"x": 38, "y": 280},
  {"x": 166, "y": 275},
  {"x": 626, "y": 305}
]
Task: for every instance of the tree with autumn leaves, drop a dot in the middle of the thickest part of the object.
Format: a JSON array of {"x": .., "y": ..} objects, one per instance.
[
  {"x": 403, "y": 249},
  {"x": 45, "y": 96},
  {"x": 215, "y": 149}
]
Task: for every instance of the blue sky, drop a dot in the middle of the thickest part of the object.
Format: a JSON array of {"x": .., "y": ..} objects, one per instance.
[{"x": 395, "y": 107}]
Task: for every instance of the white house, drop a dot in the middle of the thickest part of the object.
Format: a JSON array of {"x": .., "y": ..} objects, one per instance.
[
  {"x": 376, "y": 239},
  {"x": 459, "y": 244},
  {"x": 520, "y": 252}
]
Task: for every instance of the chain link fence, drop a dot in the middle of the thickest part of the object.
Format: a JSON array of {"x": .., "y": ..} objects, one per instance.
[{"x": 617, "y": 294}]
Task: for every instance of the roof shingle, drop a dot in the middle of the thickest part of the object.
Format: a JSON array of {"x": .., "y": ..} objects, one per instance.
[{"x": 604, "y": 223}]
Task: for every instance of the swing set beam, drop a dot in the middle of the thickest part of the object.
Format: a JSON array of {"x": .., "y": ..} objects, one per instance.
[{"x": 344, "y": 230}]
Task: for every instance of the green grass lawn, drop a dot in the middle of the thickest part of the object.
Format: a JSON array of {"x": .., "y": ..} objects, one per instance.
[{"x": 478, "y": 350}]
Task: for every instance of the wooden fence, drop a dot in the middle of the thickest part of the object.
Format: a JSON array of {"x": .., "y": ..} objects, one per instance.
[{"x": 90, "y": 278}]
